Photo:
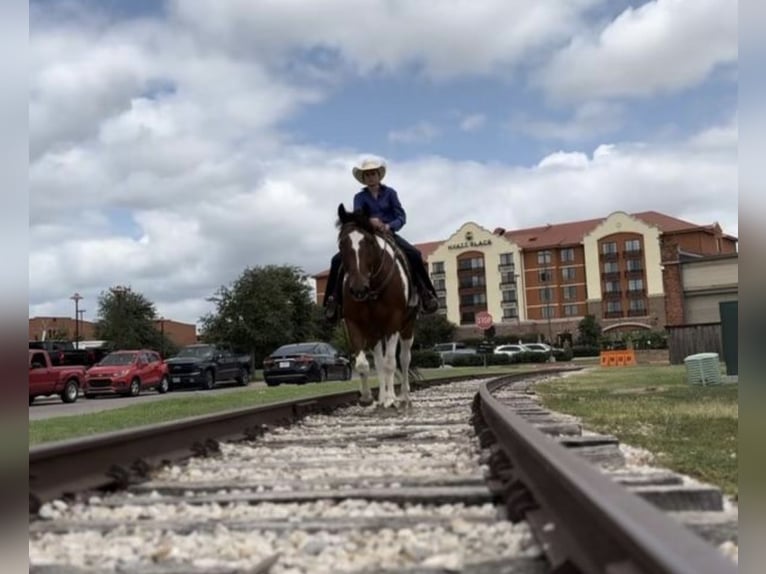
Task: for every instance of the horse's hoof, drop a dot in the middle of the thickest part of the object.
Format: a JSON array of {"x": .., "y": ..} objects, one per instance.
[{"x": 366, "y": 402}]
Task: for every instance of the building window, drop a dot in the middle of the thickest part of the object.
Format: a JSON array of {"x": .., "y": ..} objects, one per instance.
[
  {"x": 506, "y": 259},
  {"x": 568, "y": 273},
  {"x": 443, "y": 303},
  {"x": 468, "y": 281},
  {"x": 545, "y": 275},
  {"x": 609, "y": 247},
  {"x": 612, "y": 286},
  {"x": 471, "y": 263},
  {"x": 635, "y": 285},
  {"x": 637, "y": 305},
  {"x": 467, "y": 318},
  {"x": 440, "y": 284},
  {"x": 546, "y": 294},
  {"x": 611, "y": 267},
  {"x": 510, "y": 313},
  {"x": 549, "y": 312},
  {"x": 634, "y": 265},
  {"x": 571, "y": 310},
  {"x": 614, "y": 306},
  {"x": 437, "y": 267},
  {"x": 633, "y": 245},
  {"x": 543, "y": 257},
  {"x": 507, "y": 278},
  {"x": 473, "y": 300},
  {"x": 567, "y": 255},
  {"x": 570, "y": 293},
  {"x": 509, "y": 295}
]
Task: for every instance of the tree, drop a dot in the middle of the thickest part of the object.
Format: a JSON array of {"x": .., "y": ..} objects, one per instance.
[
  {"x": 264, "y": 308},
  {"x": 589, "y": 331},
  {"x": 127, "y": 320},
  {"x": 433, "y": 329}
]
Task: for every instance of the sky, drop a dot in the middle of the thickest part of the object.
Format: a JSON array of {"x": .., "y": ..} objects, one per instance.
[{"x": 174, "y": 144}]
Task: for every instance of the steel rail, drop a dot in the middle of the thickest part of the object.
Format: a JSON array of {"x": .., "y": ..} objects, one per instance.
[
  {"x": 117, "y": 459},
  {"x": 590, "y": 523}
]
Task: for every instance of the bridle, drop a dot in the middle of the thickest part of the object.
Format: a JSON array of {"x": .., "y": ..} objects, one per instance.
[{"x": 375, "y": 292}]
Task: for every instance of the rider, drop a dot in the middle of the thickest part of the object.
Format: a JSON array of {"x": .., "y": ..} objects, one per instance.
[{"x": 386, "y": 215}]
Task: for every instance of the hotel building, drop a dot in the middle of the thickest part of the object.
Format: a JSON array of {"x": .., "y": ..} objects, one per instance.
[{"x": 619, "y": 268}]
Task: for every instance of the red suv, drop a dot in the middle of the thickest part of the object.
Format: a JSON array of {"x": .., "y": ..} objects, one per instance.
[{"x": 127, "y": 373}]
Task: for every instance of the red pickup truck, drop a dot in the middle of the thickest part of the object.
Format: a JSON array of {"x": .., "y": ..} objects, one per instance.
[{"x": 45, "y": 379}]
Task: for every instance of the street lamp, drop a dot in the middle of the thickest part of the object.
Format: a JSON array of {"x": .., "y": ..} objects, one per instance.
[
  {"x": 76, "y": 298},
  {"x": 162, "y": 337}
]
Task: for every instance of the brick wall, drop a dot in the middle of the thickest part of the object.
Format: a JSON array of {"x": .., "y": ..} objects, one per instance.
[{"x": 672, "y": 283}]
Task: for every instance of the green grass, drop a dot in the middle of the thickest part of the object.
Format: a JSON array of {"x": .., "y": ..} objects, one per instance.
[
  {"x": 193, "y": 404},
  {"x": 690, "y": 429}
]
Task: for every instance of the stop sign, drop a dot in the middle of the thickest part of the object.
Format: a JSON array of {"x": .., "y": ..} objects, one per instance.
[{"x": 483, "y": 320}]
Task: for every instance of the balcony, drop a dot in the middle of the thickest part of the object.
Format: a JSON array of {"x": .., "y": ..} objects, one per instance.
[
  {"x": 508, "y": 267},
  {"x": 613, "y": 314},
  {"x": 610, "y": 256},
  {"x": 634, "y": 273},
  {"x": 636, "y": 292},
  {"x": 637, "y": 312},
  {"x": 633, "y": 253},
  {"x": 441, "y": 292},
  {"x": 612, "y": 295},
  {"x": 509, "y": 304},
  {"x": 611, "y": 276},
  {"x": 438, "y": 274},
  {"x": 507, "y": 283}
]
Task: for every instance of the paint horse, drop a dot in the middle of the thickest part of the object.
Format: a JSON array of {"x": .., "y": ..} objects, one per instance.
[{"x": 374, "y": 303}]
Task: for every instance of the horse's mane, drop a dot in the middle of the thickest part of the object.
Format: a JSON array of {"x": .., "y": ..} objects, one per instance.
[{"x": 358, "y": 218}]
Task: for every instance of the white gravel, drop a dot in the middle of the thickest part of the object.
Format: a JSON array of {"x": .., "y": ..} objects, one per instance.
[{"x": 454, "y": 534}]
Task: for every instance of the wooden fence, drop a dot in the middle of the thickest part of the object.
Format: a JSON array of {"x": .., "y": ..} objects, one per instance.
[{"x": 685, "y": 340}]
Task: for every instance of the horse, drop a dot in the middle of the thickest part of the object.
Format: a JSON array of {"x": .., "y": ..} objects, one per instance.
[{"x": 375, "y": 306}]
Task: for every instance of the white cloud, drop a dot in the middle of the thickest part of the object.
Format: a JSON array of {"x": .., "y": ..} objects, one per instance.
[
  {"x": 473, "y": 122},
  {"x": 419, "y": 133},
  {"x": 590, "y": 120},
  {"x": 662, "y": 46},
  {"x": 445, "y": 39}
]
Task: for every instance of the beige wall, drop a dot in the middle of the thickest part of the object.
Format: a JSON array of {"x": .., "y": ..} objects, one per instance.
[
  {"x": 710, "y": 273},
  {"x": 456, "y": 244},
  {"x": 621, "y": 222},
  {"x": 706, "y": 283}
]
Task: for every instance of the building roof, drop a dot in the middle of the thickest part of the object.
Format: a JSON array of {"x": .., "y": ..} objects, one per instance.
[{"x": 572, "y": 233}]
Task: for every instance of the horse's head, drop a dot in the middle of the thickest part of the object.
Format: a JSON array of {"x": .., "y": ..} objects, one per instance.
[{"x": 359, "y": 250}]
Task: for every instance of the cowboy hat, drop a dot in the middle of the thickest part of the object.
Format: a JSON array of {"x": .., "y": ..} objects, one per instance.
[{"x": 369, "y": 165}]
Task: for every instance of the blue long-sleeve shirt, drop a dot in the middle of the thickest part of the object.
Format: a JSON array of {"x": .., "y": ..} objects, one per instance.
[{"x": 386, "y": 207}]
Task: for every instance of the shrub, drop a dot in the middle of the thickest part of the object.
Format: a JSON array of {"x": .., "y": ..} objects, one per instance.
[
  {"x": 425, "y": 359},
  {"x": 585, "y": 351},
  {"x": 564, "y": 354},
  {"x": 465, "y": 360}
]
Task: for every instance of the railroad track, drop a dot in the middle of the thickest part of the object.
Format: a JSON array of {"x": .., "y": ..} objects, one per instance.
[{"x": 356, "y": 490}]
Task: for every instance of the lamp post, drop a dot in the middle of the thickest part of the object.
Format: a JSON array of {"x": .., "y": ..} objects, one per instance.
[
  {"x": 162, "y": 337},
  {"x": 76, "y": 298}
]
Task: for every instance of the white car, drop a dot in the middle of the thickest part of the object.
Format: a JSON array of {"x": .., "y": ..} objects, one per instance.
[
  {"x": 509, "y": 350},
  {"x": 538, "y": 348}
]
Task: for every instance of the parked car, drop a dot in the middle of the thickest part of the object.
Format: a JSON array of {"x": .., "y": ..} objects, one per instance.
[
  {"x": 538, "y": 348},
  {"x": 449, "y": 350},
  {"x": 205, "y": 365},
  {"x": 63, "y": 352},
  {"x": 303, "y": 362},
  {"x": 509, "y": 350},
  {"x": 127, "y": 373},
  {"x": 45, "y": 378}
]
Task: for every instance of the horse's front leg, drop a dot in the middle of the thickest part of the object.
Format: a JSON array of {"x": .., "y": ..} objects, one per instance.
[
  {"x": 404, "y": 359},
  {"x": 389, "y": 370},
  {"x": 380, "y": 369},
  {"x": 363, "y": 368}
]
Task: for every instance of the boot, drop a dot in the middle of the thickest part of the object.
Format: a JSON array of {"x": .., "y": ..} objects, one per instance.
[
  {"x": 331, "y": 309},
  {"x": 428, "y": 302}
]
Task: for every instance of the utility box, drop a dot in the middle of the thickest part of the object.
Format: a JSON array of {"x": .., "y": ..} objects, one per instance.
[
  {"x": 729, "y": 311},
  {"x": 703, "y": 369}
]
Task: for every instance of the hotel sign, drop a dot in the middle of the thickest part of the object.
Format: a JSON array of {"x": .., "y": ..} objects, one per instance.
[{"x": 469, "y": 242}]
